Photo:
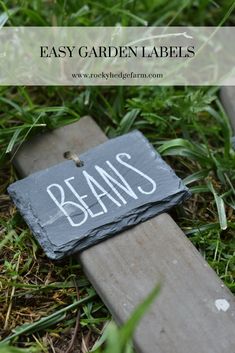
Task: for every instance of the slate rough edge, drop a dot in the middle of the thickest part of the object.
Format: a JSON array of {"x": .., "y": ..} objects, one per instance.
[
  {"x": 132, "y": 218},
  {"x": 33, "y": 223},
  {"x": 146, "y": 216},
  {"x": 149, "y": 210},
  {"x": 162, "y": 205}
]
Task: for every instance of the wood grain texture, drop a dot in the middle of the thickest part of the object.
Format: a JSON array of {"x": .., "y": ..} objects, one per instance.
[
  {"x": 48, "y": 149},
  {"x": 123, "y": 269},
  {"x": 227, "y": 95}
]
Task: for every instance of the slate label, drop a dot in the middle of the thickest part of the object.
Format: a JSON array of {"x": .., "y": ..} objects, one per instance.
[{"x": 121, "y": 183}]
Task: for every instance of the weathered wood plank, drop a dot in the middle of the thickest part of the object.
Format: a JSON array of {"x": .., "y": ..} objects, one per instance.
[
  {"x": 185, "y": 317},
  {"x": 40, "y": 153},
  {"x": 227, "y": 94}
]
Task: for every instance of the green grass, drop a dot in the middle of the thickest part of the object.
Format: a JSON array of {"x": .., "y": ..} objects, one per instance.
[
  {"x": 187, "y": 125},
  {"x": 109, "y": 12}
]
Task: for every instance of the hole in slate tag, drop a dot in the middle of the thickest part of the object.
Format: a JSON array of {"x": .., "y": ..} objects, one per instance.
[{"x": 74, "y": 157}]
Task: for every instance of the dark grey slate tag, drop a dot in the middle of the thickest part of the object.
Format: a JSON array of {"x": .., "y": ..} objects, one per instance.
[{"x": 122, "y": 182}]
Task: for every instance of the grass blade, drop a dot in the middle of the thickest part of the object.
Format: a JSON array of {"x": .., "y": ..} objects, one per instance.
[
  {"x": 9, "y": 349},
  {"x": 13, "y": 140},
  {"x": 128, "y": 328},
  {"x": 220, "y": 207},
  {"x": 36, "y": 325}
]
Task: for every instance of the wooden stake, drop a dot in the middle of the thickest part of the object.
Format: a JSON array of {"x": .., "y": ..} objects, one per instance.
[{"x": 194, "y": 313}]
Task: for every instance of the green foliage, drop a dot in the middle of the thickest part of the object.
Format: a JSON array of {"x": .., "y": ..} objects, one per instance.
[
  {"x": 113, "y": 340},
  {"x": 110, "y": 12},
  {"x": 118, "y": 340},
  {"x": 47, "y": 321},
  {"x": 10, "y": 349}
]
